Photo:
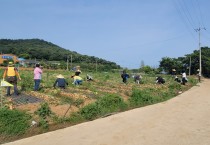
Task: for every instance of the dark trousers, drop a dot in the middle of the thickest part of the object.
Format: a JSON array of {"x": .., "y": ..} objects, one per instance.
[
  {"x": 124, "y": 80},
  {"x": 12, "y": 80},
  {"x": 36, "y": 84},
  {"x": 184, "y": 81},
  {"x": 15, "y": 90}
]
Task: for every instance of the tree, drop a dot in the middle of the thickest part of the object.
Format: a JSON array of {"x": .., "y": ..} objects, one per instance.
[{"x": 167, "y": 64}]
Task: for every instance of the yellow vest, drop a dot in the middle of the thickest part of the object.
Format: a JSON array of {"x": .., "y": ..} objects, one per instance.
[
  {"x": 10, "y": 71},
  {"x": 77, "y": 78}
]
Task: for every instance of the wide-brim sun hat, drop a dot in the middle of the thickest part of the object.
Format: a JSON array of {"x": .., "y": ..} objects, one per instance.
[
  {"x": 60, "y": 76},
  {"x": 10, "y": 63}
]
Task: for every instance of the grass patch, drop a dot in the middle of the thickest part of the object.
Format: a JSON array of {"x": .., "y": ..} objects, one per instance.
[
  {"x": 13, "y": 122},
  {"x": 104, "y": 105}
]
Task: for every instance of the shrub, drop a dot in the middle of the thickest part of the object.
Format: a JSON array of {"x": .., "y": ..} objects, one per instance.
[
  {"x": 175, "y": 86},
  {"x": 141, "y": 98},
  {"x": 75, "y": 117},
  {"x": 43, "y": 112},
  {"x": 104, "y": 105},
  {"x": 90, "y": 111},
  {"x": 13, "y": 122},
  {"x": 110, "y": 103},
  {"x": 193, "y": 81}
]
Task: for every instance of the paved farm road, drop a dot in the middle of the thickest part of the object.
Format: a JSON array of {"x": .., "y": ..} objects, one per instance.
[{"x": 184, "y": 120}]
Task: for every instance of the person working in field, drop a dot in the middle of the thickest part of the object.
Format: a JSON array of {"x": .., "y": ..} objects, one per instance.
[
  {"x": 77, "y": 80},
  {"x": 89, "y": 77},
  {"x": 77, "y": 71},
  {"x": 160, "y": 80},
  {"x": 37, "y": 76},
  {"x": 137, "y": 78},
  {"x": 177, "y": 79},
  {"x": 11, "y": 74},
  {"x": 124, "y": 76},
  {"x": 184, "y": 77},
  {"x": 60, "y": 82}
]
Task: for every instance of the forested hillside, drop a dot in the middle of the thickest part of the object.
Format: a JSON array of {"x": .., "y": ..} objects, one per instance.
[{"x": 43, "y": 50}]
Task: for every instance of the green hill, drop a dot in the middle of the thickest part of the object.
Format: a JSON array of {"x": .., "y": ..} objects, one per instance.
[{"x": 47, "y": 51}]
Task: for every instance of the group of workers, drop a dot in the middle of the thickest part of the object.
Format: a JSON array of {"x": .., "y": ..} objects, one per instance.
[
  {"x": 159, "y": 79},
  {"x": 11, "y": 74}
]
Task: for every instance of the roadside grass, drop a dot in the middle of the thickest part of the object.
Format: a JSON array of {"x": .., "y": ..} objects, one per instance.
[{"x": 13, "y": 122}]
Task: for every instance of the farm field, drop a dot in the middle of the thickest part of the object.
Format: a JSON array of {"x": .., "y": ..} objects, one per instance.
[{"x": 50, "y": 109}]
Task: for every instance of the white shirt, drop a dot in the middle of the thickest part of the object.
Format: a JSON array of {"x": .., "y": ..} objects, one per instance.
[{"x": 184, "y": 75}]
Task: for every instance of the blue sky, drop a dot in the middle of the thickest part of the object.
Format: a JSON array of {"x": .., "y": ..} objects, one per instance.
[{"x": 127, "y": 32}]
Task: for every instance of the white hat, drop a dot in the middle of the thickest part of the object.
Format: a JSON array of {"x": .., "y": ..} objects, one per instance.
[{"x": 60, "y": 76}]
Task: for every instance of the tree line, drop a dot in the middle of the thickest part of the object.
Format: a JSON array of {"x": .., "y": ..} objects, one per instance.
[{"x": 189, "y": 63}]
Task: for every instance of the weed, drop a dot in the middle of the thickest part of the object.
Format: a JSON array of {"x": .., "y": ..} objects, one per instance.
[
  {"x": 75, "y": 117},
  {"x": 67, "y": 100},
  {"x": 141, "y": 98},
  {"x": 104, "y": 105},
  {"x": 43, "y": 112},
  {"x": 110, "y": 103},
  {"x": 13, "y": 122},
  {"x": 79, "y": 102},
  {"x": 90, "y": 111}
]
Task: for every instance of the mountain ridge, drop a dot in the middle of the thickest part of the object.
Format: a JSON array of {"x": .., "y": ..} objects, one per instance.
[{"x": 44, "y": 50}]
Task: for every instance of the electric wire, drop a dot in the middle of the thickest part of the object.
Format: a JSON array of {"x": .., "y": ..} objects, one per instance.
[
  {"x": 195, "y": 13},
  {"x": 187, "y": 13},
  {"x": 200, "y": 13},
  {"x": 182, "y": 17}
]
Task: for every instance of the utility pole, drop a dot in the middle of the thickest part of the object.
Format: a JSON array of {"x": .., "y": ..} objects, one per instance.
[
  {"x": 96, "y": 65},
  {"x": 67, "y": 68},
  {"x": 199, "y": 35},
  {"x": 71, "y": 62},
  {"x": 190, "y": 66}
]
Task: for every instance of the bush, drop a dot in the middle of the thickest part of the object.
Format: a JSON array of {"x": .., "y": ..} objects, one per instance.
[
  {"x": 13, "y": 122},
  {"x": 110, "y": 103},
  {"x": 104, "y": 105},
  {"x": 175, "y": 86},
  {"x": 193, "y": 81},
  {"x": 141, "y": 98},
  {"x": 90, "y": 111},
  {"x": 43, "y": 112},
  {"x": 75, "y": 118}
]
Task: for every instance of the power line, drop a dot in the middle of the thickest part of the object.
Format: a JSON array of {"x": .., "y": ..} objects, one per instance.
[
  {"x": 178, "y": 9},
  {"x": 195, "y": 12},
  {"x": 187, "y": 13},
  {"x": 200, "y": 12}
]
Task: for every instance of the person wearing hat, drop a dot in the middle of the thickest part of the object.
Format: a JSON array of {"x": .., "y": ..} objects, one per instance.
[
  {"x": 11, "y": 74},
  {"x": 173, "y": 72},
  {"x": 60, "y": 82},
  {"x": 37, "y": 76},
  {"x": 77, "y": 71}
]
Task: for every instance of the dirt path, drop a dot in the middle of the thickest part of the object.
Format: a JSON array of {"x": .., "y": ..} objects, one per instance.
[{"x": 184, "y": 120}]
